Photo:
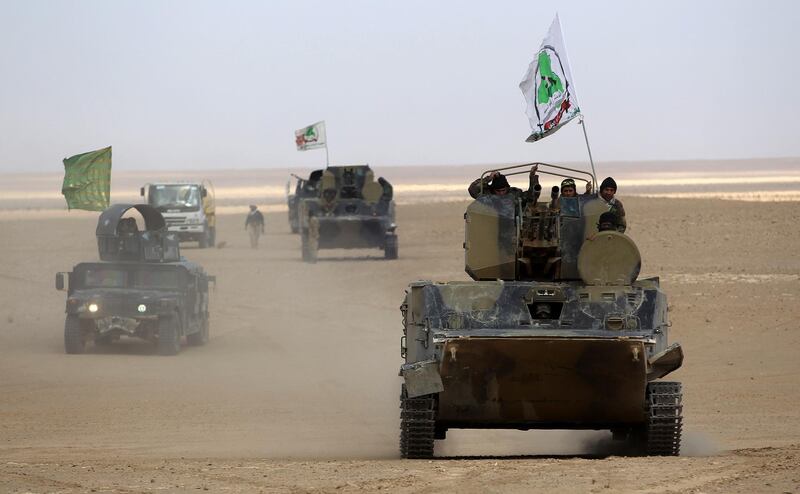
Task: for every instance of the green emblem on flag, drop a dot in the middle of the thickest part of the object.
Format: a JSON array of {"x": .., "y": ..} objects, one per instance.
[
  {"x": 87, "y": 180},
  {"x": 550, "y": 82}
]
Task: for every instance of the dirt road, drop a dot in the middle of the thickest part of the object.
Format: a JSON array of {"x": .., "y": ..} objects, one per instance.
[{"x": 297, "y": 389}]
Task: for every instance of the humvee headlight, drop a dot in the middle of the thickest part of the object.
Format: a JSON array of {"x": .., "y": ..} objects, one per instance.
[
  {"x": 142, "y": 308},
  {"x": 93, "y": 307}
]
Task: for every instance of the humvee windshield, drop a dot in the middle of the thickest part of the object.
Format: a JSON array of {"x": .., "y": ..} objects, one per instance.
[
  {"x": 183, "y": 197},
  {"x": 106, "y": 278},
  {"x": 157, "y": 278}
]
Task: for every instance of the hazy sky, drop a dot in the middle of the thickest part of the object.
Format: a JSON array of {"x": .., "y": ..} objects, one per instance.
[{"x": 224, "y": 84}]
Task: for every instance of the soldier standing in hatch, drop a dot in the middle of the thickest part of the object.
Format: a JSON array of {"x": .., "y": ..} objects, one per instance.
[
  {"x": 254, "y": 224},
  {"x": 608, "y": 190},
  {"x": 496, "y": 184}
]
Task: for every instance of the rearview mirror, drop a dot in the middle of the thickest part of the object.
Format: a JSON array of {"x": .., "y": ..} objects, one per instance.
[
  {"x": 141, "y": 191},
  {"x": 204, "y": 192},
  {"x": 59, "y": 281}
]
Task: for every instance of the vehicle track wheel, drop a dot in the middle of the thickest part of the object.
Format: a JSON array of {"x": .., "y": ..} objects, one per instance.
[
  {"x": 390, "y": 247},
  {"x": 664, "y": 402},
  {"x": 169, "y": 336},
  {"x": 417, "y": 425},
  {"x": 74, "y": 342}
]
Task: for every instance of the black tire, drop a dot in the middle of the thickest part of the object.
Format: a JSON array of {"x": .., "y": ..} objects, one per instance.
[
  {"x": 309, "y": 250},
  {"x": 417, "y": 425},
  {"x": 74, "y": 342},
  {"x": 390, "y": 247},
  {"x": 203, "y": 241},
  {"x": 661, "y": 434},
  {"x": 201, "y": 337},
  {"x": 169, "y": 335}
]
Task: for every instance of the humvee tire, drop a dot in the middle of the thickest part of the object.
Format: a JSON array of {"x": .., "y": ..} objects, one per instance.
[
  {"x": 73, "y": 335},
  {"x": 169, "y": 336},
  {"x": 201, "y": 337},
  {"x": 390, "y": 247}
]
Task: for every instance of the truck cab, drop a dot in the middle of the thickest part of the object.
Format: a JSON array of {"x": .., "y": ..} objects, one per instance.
[{"x": 188, "y": 209}]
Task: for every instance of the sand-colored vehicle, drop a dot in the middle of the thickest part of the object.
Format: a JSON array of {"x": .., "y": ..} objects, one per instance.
[
  {"x": 556, "y": 331},
  {"x": 352, "y": 210},
  {"x": 141, "y": 287}
]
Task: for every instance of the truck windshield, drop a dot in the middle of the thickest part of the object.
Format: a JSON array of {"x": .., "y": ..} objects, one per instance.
[
  {"x": 157, "y": 278},
  {"x": 178, "y": 197},
  {"x": 106, "y": 278}
]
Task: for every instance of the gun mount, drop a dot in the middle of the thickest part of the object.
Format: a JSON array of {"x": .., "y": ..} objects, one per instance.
[{"x": 119, "y": 239}]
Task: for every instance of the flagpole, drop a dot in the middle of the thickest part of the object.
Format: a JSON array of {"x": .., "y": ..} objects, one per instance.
[{"x": 588, "y": 148}]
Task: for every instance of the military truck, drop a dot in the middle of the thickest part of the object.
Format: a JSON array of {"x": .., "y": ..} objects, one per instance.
[
  {"x": 555, "y": 332},
  {"x": 141, "y": 287},
  {"x": 350, "y": 211},
  {"x": 188, "y": 208},
  {"x": 304, "y": 188}
]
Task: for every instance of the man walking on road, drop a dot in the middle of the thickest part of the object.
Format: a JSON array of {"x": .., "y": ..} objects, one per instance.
[{"x": 254, "y": 224}]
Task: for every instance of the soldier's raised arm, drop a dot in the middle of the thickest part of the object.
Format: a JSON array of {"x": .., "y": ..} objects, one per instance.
[{"x": 475, "y": 187}]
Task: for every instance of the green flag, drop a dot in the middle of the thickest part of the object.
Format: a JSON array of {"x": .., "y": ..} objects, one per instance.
[{"x": 87, "y": 180}]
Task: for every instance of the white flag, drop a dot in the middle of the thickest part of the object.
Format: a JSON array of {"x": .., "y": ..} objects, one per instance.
[
  {"x": 311, "y": 137},
  {"x": 548, "y": 88}
]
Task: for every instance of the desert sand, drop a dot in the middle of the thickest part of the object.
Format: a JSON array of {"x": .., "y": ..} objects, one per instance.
[{"x": 297, "y": 391}]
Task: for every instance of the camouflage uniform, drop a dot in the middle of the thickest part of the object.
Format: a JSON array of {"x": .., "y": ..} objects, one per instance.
[
  {"x": 489, "y": 188},
  {"x": 615, "y": 206}
]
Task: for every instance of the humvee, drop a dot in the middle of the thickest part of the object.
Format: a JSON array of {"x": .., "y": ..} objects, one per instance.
[
  {"x": 141, "y": 287},
  {"x": 555, "y": 332}
]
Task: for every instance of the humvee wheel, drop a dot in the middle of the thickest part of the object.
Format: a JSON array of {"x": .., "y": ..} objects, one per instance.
[
  {"x": 73, "y": 335},
  {"x": 390, "y": 247},
  {"x": 169, "y": 336},
  {"x": 200, "y": 337},
  {"x": 662, "y": 436},
  {"x": 309, "y": 250},
  {"x": 417, "y": 425}
]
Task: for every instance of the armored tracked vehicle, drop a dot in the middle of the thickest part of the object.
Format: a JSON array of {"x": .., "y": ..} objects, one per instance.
[
  {"x": 141, "y": 287},
  {"x": 351, "y": 211},
  {"x": 304, "y": 189},
  {"x": 556, "y": 331}
]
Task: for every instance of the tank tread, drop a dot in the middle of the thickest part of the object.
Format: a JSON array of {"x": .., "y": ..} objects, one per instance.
[
  {"x": 664, "y": 418},
  {"x": 417, "y": 425}
]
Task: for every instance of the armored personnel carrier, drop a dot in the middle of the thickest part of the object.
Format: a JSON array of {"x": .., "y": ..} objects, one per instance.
[
  {"x": 304, "y": 189},
  {"x": 556, "y": 331},
  {"x": 351, "y": 211},
  {"x": 141, "y": 287}
]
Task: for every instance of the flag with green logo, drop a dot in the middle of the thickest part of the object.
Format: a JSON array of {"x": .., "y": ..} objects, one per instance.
[
  {"x": 311, "y": 137},
  {"x": 548, "y": 87},
  {"x": 87, "y": 180}
]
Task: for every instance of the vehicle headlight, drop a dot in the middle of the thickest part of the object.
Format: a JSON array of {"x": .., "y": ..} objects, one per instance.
[
  {"x": 142, "y": 308},
  {"x": 93, "y": 307}
]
